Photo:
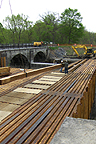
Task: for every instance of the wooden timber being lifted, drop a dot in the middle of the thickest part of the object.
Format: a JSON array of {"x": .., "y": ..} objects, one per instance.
[{"x": 38, "y": 120}]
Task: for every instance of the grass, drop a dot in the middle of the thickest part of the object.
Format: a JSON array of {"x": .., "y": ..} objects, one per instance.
[
  {"x": 68, "y": 49},
  {"x": 53, "y": 48}
]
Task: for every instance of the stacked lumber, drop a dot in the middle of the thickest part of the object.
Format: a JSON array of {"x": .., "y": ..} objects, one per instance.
[{"x": 4, "y": 71}]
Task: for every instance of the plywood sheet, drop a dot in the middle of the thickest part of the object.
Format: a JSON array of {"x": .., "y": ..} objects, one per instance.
[
  {"x": 2, "y": 105},
  {"x": 37, "y": 86},
  {"x": 13, "y": 100},
  {"x": 20, "y": 95},
  {"x": 53, "y": 77},
  {"x": 59, "y": 73},
  {"x": 3, "y": 114},
  {"x": 43, "y": 82},
  {"x": 26, "y": 90},
  {"x": 48, "y": 79},
  {"x": 10, "y": 107}
]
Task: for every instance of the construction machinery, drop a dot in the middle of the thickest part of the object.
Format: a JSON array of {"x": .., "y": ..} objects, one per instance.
[
  {"x": 38, "y": 44},
  {"x": 88, "y": 52}
]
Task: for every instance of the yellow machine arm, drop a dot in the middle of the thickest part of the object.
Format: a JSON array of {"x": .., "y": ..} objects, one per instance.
[
  {"x": 74, "y": 48},
  {"x": 88, "y": 51}
]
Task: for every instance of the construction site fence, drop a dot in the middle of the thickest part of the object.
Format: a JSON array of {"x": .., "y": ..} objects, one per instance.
[{"x": 88, "y": 45}]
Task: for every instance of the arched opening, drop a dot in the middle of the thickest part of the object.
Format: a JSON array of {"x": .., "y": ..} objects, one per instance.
[
  {"x": 19, "y": 61},
  {"x": 40, "y": 57}
]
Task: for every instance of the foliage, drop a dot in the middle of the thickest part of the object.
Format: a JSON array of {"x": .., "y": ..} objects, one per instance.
[
  {"x": 1, "y": 33},
  {"x": 72, "y": 27},
  {"x": 67, "y": 28},
  {"x": 88, "y": 38},
  {"x": 17, "y": 26},
  {"x": 53, "y": 48},
  {"x": 51, "y": 26},
  {"x": 39, "y": 31}
]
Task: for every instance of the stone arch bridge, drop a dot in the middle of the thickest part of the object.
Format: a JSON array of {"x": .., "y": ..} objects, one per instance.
[{"x": 24, "y": 56}]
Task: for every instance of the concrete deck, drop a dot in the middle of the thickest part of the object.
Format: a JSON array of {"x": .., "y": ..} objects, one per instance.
[{"x": 76, "y": 131}]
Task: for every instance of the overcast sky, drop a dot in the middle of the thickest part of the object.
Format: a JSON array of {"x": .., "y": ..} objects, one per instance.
[{"x": 34, "y": 8}]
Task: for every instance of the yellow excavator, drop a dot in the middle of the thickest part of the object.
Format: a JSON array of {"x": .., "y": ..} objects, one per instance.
[{"x": 88, "y": 52}]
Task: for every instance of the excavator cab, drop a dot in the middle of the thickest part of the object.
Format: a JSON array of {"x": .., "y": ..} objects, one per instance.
[{"x": 89, "y": 51}]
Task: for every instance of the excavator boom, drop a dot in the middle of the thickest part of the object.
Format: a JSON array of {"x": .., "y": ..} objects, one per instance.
[{"x": 73, "y": 47}]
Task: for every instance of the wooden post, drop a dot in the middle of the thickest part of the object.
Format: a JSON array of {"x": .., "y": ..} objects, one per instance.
[
  {"x": 79, "y": 110},
  {"x": 89, "y": 95},
  {"x": 86, "y": 113},
  {"x": 74, "y": 113},
  {"x": 93, "y": 89},
  {"x": 1, "y": 61},
  {"x": 4, "y": 61},
  {"x": 91, "y": 92},
  {"x": 82, "y": 107}
]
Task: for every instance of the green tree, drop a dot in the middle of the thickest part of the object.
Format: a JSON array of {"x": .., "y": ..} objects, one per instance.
[
  {"x": 71, "y": 25},
  {"x": 51, "y": 22},
  {"x": 11, "y": 28},
  {"x": 88, "y": 38},
  {"x": 2, "y": 38},
  {"x": 17, "y": 25},
  {"x": 39, "y": 31}
]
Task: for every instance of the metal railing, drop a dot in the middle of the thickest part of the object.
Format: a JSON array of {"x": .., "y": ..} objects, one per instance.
[{"x": 4, "y": 46}]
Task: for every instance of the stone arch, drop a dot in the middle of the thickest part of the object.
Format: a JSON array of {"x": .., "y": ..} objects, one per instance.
[
  {"x": 40, "y": 57},
  {"x": 20, "y": 61}
]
